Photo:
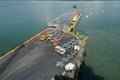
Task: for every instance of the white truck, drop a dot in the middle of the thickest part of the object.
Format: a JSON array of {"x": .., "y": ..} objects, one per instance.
[{"x": 60, "y": 50}]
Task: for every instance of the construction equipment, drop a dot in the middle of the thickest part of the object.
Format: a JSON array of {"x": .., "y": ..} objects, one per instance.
[
  {"x": 50, "y": 37},
  {"x": 56, "y": 42},
  {"x": 42, "y": 38},
  {"x": 71, "y": 30},
  {"x": 85, "y": 38},
  {"x": 77, "y": 34},
  {"x": 72, "y": 23}
]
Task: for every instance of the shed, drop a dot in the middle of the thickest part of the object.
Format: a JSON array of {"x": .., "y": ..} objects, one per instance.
[{"x": 69, "y": 66}]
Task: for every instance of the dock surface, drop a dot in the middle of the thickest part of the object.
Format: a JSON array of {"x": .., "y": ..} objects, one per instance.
[
  {"x": 35, "y": 59},
  {"x": 62, "y": 21}
]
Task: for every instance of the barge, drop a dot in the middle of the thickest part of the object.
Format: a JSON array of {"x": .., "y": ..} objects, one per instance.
[{"x": 56, "y": 53}]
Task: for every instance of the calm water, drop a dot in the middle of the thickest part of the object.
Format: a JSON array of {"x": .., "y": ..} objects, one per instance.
[{"x": 22, "y": 20}]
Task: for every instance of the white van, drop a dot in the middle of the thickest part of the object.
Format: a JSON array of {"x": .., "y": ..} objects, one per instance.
[
  {"x": 76, "y": 47},
  {"x": 60, "y": 50}
]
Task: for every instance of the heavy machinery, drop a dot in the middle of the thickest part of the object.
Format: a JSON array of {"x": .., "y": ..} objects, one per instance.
[
  {"x": 42, "y": 38},
  {"x": 50, "y": 36},
  {"x": 70, "y": 30}
]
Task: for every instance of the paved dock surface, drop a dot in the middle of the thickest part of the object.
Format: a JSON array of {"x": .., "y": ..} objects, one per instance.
[
  {"x": 62, "y": 21},
  {"x": 35, "y": 61}
]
